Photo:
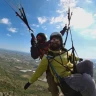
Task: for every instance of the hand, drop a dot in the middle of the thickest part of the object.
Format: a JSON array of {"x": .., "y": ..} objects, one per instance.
[
  {"x": 64, "y": 30},
  {"x": 65, "y": 27},
  {"x": 27, "y": 85},
  {"x": 80, "y": 59}
]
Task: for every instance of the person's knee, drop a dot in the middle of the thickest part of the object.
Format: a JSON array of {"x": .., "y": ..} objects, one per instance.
[
  {"x": 85, "y": 66},
  {"x": 89, "y": 66},
  {"x": 89, "y": 82},
  {"x": 88, "y": 63}
]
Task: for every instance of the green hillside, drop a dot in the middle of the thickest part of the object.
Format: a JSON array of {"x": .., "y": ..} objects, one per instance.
[{"x": 13, "y": 78}]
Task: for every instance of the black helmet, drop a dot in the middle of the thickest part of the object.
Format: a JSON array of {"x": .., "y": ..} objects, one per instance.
[
  {"x": 56, "y": 34},
  {"x": 43, "y": 37}
]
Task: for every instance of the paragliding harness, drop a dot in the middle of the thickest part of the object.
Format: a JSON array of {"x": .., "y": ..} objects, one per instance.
[{"x": 65, "y": 88}]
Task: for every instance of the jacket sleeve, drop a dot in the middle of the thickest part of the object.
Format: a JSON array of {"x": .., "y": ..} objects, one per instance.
[
  {"x": 35, "y": 52},
  {"x": 34, "y": 49},
  {"x": 40, "y": 70}
]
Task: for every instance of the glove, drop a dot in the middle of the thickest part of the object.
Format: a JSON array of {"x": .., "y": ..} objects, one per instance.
[
  {"x": 33, "y": 42},
  {"x": 65, "y": 28},
  {"x": 80, "y": 59},
  {"x": 27, "y": 85}
]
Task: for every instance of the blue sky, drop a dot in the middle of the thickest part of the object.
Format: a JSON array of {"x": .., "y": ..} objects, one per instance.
[{"x": 49, "y": 16}]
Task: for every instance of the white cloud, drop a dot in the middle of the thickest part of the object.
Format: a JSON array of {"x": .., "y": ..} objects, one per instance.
[
  {"x": 9, "y": 35},
  {"x": 42, "y": 20},
  {"x": 88, "y": 1},
  {"x": 5, "y": 21},
  {"x": 89, "y": 33},
  {"x": 94, "y": 14},
  {"x": 66, "y": 3},
  {"x": 58, "y": 19},
  {"x": 44, "y": 27},
  {"x": 60, "y": 11},
  {"x": 81, "y": 18},
  {"x": 35, "y": 25},
  {"x": 57, "y": 26},
  {"x": 13, "y": 30}
]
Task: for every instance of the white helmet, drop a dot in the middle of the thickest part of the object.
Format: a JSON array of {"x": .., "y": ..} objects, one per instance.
[{"x": 56, "y": 34}]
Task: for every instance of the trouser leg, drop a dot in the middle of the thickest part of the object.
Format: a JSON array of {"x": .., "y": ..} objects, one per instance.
[
  {"x": 52, "y": 85},
  {"x": 83, "y": 83},
  {"x": 85, "y": 67}
]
